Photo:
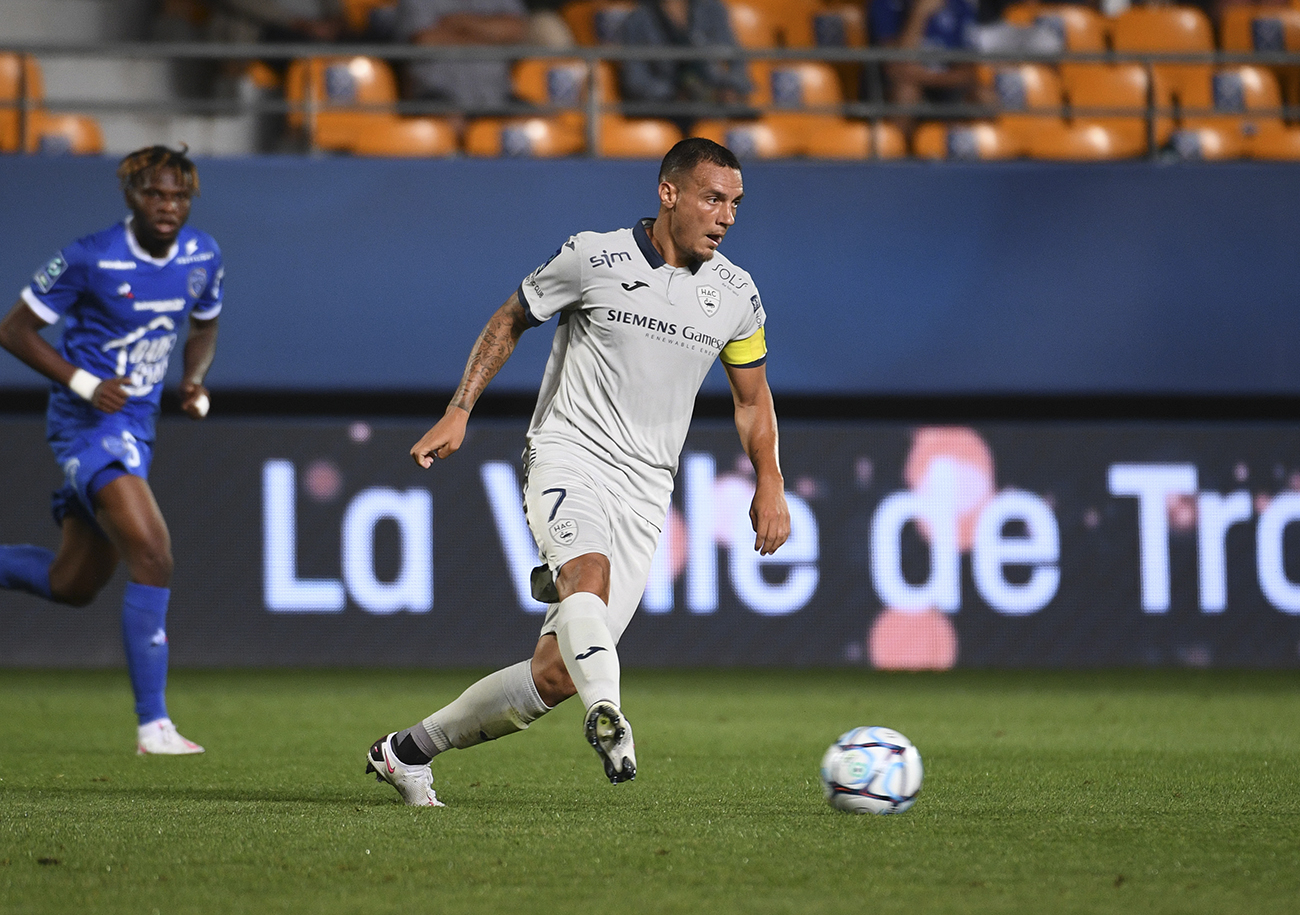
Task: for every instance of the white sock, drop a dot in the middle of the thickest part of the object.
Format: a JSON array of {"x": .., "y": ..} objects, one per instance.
[
  {"x": 588, "y": 648},
  {"x": 501, "y": 703}
]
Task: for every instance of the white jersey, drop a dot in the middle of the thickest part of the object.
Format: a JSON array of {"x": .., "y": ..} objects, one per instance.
[{"x": 635, "y": 340}]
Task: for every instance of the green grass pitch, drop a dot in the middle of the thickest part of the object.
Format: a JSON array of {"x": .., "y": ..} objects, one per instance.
[{"x": 1054, "y": 792}]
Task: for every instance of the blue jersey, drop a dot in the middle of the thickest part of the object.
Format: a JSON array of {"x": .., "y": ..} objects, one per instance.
[
  {"x": 122, "y": 311},
  {"x": 949, "y": 27}
]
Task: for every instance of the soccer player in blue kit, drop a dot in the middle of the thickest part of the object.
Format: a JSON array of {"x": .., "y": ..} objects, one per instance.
[{"x": 123, "y": 294}]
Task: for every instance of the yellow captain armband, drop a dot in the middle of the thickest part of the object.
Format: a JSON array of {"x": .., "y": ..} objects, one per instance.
[{"x": 750, "y": 351}]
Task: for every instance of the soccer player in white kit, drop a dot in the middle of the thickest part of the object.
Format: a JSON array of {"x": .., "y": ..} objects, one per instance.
[{"x": 643, "y": 314}]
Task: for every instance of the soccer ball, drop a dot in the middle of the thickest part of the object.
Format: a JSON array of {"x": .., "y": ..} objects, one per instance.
[{"x": 872, "y": 770}]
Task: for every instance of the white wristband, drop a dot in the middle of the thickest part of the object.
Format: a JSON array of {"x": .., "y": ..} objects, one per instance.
[{"x": 84, "y": 383}]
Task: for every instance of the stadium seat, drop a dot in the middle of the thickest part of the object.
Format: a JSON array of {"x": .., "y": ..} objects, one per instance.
[
  {"x": 357, "y": 13},
  {"x": 1120, "y": 88},
  {"x": 635, "y": 138},
  {"x": 1023, "y": 89},
  {"x": 979, "y": 141},
  {"x": 407, "y": 137},
  {"x": 523, "y": 137},
  {"x": 792, "y": 20},
  {"x": 1083, "y": 141},
  {"x": 338, "y": 100},
  {"x": 1271, "y": 29},
  {"x": 1168, "y": 30},
  {"x": 64, "y": 134},
  {"x": 756, "y": 139},
  {"x": 853, "y": 140},
  {"x": 596, "y": 22},
  {"x": 1082, "y": 28},
  {"x": 751, "y": 24},
  {"x": 563, "y": 83},
  {"x": 45, "y": 133},
  {"x": 842, "y": 25},
  {"x": 1232, "y": 131},
  {"x": 802, "y": 100}
]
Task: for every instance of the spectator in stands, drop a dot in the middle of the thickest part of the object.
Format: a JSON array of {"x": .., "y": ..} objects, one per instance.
[
  {"x": 546, "y": 27},
  {"x": 916, "y": 24},
  {"x": 682, "y": 23},
  {"x": 275, "y": 20},
  {"x": 473, "y": 86}
]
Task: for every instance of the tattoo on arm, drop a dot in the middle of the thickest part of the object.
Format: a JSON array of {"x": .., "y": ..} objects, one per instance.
[{"x": 490, "y": 352}]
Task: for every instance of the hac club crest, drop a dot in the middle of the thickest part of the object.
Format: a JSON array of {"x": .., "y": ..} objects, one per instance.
[
  {"x": 565, "y": 531},
  {"x": 709, "y": 299}
]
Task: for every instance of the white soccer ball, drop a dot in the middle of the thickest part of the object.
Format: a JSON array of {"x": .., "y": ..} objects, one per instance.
[{"x": 872, "y": 770}]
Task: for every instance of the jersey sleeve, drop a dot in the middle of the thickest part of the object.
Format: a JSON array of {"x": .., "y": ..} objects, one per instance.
[
  {"x": 57, "y": 285},
  {"x": 748, "y": 348},
  {"x": 208, "y": 305},
  {"x": 554, "y": 285}
]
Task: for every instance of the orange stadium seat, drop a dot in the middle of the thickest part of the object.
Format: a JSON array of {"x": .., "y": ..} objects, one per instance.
[
  {"x": 1232, "y": 131},
  {"x": 1082, "y": 28},
  {"x": 527, "y": 137},
  {"x": 563, "y": 84},
  {"x": 636, "y": 138},
  {"x": 338, "y": 101},
  {"x": 791, "y": 20},
  {"x": 407, "y": 137},
  {"x": 751, "y": 24},
  {"x": 976, "y": 141},
  {"x": 842, "y": 25},
  {"x": 802, "y": 100},
  {"x": 356, "y": 13},
  {"x": 596, "y": 22},
  {"x": 50, "y": 134},
  {"x": 1029, "y": 96},
  {"x": 1168, "y": 30},
  {"x": 1268, "y": 29},
  {"x": 1117, "y": 95},
  {"x": 750, "y": 139},
  {"x": 1084, "y": 142}
]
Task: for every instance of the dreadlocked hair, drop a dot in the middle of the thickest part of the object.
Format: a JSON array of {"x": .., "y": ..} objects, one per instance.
[{"x": 143, "y": 163}]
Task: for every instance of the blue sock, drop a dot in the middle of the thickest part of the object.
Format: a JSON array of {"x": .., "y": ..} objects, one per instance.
[
  {"x": 26, "y": 568},
  {"x": 144, "y": 615}
]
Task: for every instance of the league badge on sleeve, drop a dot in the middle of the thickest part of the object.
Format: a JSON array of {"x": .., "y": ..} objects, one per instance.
[
  {"x": 46, "y": 276},
  {"x": 195, "y": 282},
  {"x": 709, "y": 299}
]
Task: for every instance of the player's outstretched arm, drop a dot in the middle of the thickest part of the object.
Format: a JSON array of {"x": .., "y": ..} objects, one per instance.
[
  {"x": 20, "y": 333},
  {"x": 490, "y": 352},
  {"x": 200, "y": 349},
  {"x": 756, "y": 423}
]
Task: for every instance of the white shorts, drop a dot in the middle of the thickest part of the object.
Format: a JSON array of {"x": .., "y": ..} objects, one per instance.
[{"x": 570, "y": 513}]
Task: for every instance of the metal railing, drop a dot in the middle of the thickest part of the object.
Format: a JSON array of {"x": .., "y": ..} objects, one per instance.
[{"x": 874, "y": 107}]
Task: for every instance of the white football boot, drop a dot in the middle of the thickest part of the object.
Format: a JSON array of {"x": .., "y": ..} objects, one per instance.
[
  {"x": 160, "y": 738},
  {"x": 413, "y": 783},
  {"x": 609, "y": 732}
]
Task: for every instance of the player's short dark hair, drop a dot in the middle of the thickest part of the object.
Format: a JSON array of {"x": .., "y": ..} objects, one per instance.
[
  {"x": 692, "y": 151},
  {"x": 143, "y": 163}
]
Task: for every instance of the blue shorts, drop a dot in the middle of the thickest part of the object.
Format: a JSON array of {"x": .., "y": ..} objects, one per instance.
[{"x": 91, "y": 458}]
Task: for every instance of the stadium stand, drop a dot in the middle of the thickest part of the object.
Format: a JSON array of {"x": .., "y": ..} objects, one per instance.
[
  {"x": 1167, "y": 30},
  {"x": 981, "y": 140},
  {"x": 1265, "y": 29},
  {"x": 563, "y": 84},
  {"x": 1232, "y": 130},
  {"x": 26, "y": 124},
  {"x": 595, "y": 22},
  {"x": 346, "y": 104}
]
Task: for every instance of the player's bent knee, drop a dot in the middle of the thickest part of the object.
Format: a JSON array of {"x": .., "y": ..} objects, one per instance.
[{"x": 550, "y": 676}]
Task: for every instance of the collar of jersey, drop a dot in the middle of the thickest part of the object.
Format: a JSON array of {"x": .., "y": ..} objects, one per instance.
[
  {"x": 141, "y": 254},
  {"x": 641, "y": 232}
]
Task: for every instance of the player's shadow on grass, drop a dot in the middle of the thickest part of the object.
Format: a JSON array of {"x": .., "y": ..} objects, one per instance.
[{"x": 164, "y": 793}]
